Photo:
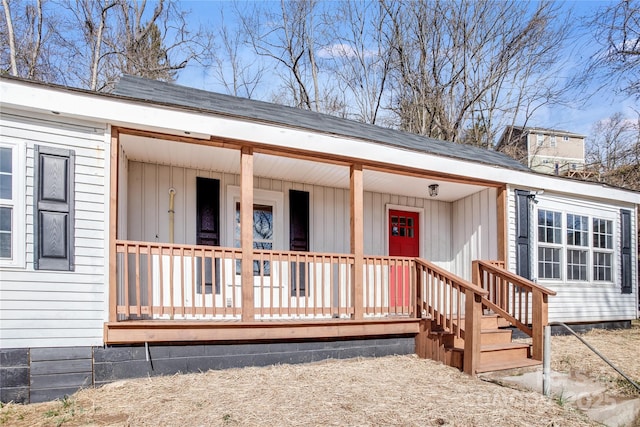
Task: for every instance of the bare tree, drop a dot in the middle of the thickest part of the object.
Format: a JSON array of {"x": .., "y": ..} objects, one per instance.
[
  {"x": 469, "y": 68},
  {"x": 613, "y": 149},
  {"x": 358, "y": 57},
  {"x": 25, "y": 35},
  {"x": 90, "y": 43},
  {"x": 288, "y": 37},
  {"x": 231, "y": 67},
  {"x": 616, "y": 29},
  {"x": 11, "y": 38}
]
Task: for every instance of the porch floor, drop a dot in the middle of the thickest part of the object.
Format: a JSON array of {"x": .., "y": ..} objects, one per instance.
[{"x": 139, "y": 331}]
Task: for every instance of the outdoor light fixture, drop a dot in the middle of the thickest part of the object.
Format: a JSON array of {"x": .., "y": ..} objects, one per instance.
[{"x": 433, "y": 190}]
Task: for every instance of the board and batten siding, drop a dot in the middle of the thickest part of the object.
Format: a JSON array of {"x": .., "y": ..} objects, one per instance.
[
  {"x": 148, "y": 205},
  {"x": 474, "y": 230},
  {"x": 40, "y": 308},
  {"x": 580, "y": 301}
]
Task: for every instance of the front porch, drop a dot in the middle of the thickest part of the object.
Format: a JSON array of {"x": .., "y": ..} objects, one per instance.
[
  {"x": 161, "y": 297},
  {"x": 180, "y": 274}
]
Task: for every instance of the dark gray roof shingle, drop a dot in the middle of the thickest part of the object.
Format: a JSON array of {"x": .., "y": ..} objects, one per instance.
[{"x": 172, "y": 94}]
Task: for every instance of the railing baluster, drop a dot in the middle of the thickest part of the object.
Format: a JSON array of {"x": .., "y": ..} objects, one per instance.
[
  {"x": 149, "y": 282},
  {"x": 138, "y": 290},
  {"x": 182, "y": 285},
  {"x": 127, "y": 311},
  {"x": 161, "y": 274}
]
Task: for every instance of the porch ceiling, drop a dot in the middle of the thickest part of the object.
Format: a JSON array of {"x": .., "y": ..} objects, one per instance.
[{"x": 202, "y": 157}]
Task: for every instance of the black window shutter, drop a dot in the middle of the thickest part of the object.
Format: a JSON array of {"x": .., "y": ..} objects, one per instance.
[
  {"x": 298, "y": 220},
  {"x": 207, "y": 230},
  {"x": 54, "y": 170},
  {"x": 298, "y": 237},
  {"x": 625, "y": 250},
  {"x": 523, "y": 256}
]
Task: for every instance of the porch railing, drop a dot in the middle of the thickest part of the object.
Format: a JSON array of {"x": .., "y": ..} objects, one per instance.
[
  {"x": 451, "y": 302},
  {"x": 523, "y": 303},
  {"x": 168, "y": 281}
]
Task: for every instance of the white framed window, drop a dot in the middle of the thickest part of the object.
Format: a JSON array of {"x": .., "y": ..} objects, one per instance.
[
  {"x": 12, "y": 221},
  {"x": 540, "y": 139},
  {"x": 552, "y": 140},
  {"x": 549, "y": 244},
  {"x": 575, "y": 244},
  {"x": 565, "y": 138},
  {"x": 603, "y": 250}
]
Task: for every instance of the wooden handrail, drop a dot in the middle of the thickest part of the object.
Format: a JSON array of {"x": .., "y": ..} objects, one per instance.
[
  {"x": 520, "y": 301},
  {"x": 493, "y": 267},
  {"x": 446, "y": 297},
  {"x": 465, "y": 284}
]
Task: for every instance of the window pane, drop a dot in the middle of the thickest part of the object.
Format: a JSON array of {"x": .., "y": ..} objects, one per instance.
[
  {"x": 5, "y": 160},
  {"x": 5, "y": 245},
  {"x": 262, "y": 222},
  {"x": 602, "y": 233},
  {"x": 5, "y": 219},
  {"x": 576, "y": 265},
  {"x": 577, "y": 230},
  {"x": 548, "y": 263},
  {"x": 5, "y": 187},
  {"x": 602, "y": 266},
  {"x": 549, "y": 226}
]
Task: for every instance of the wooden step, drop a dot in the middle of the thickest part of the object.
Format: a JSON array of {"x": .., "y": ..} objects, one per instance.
[
  {"x": 500, "y": 366},
  {"x": 487, "y": 337},
  {"x": 505, "y": 352},
  {"x": 495, "y": 336},
  {"x": 490, "y": 321}
]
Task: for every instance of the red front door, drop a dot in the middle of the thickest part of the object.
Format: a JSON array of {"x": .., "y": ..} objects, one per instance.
[{"x": 404, "y": 241}]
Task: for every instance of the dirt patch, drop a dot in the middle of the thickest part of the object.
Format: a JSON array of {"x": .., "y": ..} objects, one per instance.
[{"x": 398, "y": 390}]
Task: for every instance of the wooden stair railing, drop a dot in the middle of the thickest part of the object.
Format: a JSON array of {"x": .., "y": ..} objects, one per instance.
[
  {"x": 449, "y": 300},
  {"x": 518, "y": 300}
]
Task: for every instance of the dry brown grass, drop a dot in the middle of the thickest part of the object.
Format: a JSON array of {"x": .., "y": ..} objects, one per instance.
[
  {"x": 621, "y": 347},
  {"x": 398, "y": 390}
]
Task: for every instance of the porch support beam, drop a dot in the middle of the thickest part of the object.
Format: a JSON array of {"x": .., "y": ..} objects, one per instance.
[
  {"x": 357, "y": 239},
  {"x": 501, "y": 213},
  {"x": 246, "y": 232},
  {"x": 113, "y": 222}
]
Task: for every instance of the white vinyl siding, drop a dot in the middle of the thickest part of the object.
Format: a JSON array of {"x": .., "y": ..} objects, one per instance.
[
  {"x": 148, "y": 203},
  {"x": 45, "y": 308},
  {"x": 474, "y": 230}
]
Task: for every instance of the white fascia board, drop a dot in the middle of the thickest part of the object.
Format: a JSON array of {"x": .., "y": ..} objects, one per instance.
[{"x": 140, "y": 115}]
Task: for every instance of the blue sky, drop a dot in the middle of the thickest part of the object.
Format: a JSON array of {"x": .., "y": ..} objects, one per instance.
[{"x": 576, "y": 117}]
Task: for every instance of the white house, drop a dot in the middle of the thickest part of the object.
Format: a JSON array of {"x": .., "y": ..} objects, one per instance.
[{"x": 124, "y": 251}]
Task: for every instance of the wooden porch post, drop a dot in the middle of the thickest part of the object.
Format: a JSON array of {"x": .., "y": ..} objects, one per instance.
[
  {"x": 246, "y": 232},
  {"x": 540, "y": 319},
  {"x": 357, "y": 239},
  {"x": 113, "y": 223},
  {"x": 501, "y": 222},
  {"x": 472, "y": 324}
]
